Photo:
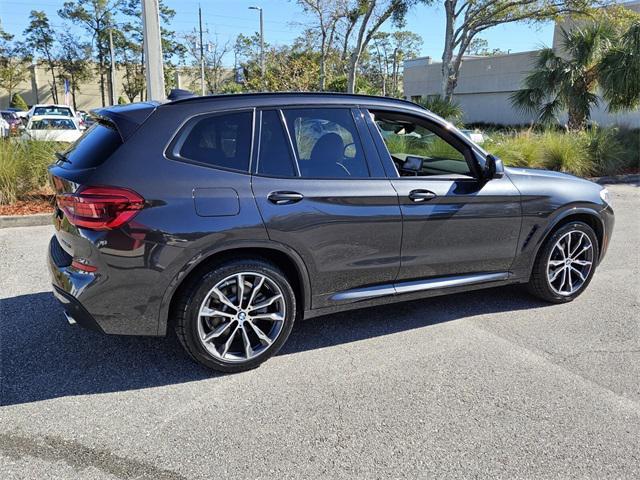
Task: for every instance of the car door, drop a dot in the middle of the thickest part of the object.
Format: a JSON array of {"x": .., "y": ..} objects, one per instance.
[
  {"x": 454, "y": 223},
  {"x": 320, "y": 194}
]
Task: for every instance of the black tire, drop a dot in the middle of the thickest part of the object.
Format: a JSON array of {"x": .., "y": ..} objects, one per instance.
[
  {"x": 187, "y": 307},
  {"x": 539, "y": 284}
]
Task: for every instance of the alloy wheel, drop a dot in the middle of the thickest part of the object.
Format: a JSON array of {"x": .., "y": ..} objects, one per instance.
[
  {"x": 241, "y": 317},
  {"x": 570, "y": 263}
]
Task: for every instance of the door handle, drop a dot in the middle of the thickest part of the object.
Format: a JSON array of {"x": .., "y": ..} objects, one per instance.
[
  {"x": 421, "y": 195},
  {"x": 285, "y": 198}
]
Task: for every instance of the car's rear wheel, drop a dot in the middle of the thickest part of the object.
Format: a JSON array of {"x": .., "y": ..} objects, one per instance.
[
  {"x": 236, "y": 316},
  {"x": 565, "y": 264}
]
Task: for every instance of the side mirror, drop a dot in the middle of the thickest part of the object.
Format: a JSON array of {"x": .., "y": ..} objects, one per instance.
[{"x": 493, "y": 167}]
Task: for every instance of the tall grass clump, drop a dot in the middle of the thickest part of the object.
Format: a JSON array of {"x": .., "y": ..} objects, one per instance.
[
  {"x": 598, "y": 151},
  {"x": 23, "y": 167},
  {"x": 566, "y": 153}
]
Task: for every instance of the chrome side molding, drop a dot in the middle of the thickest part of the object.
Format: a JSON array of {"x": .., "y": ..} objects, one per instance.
[{"x": 419, "y": 285}]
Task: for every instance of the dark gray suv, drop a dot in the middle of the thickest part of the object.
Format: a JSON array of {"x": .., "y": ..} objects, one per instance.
[{"x": 229, "y": 217}]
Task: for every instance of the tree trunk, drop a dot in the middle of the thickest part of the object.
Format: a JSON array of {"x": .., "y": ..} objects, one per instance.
[
  {"x": 323, "y": 54},
  {"x": 447, "y": 53},
  {"x": 353, "y": 65}
]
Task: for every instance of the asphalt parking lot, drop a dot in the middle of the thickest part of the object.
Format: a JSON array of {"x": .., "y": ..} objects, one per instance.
[{"x": 486, "y": 384}]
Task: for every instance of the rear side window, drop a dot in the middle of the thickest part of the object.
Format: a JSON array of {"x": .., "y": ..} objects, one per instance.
[
  {"x": 217, "y": 140},
  {"x": 96, "y": 145},
  {"x": 275, "y": 155},
  {"x": 326, "y": 143}
]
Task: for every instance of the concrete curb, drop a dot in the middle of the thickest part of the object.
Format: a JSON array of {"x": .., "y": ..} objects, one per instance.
[
  {"x": 9, "y": 221},
  {"x": 631, "y": 178}
]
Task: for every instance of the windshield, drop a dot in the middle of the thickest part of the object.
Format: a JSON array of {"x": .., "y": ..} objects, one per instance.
[
  {"x": 63, "y": 111},
  {"x": 53, "y": 124}
]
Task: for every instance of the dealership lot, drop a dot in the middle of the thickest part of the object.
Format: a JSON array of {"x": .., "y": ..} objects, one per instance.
[{"x": 484, "y": 384}]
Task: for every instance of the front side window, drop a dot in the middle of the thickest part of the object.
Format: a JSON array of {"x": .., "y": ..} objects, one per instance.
[
  {"x": 418, "y": 149},
  {"x": 326, "y": 143},
  {"x": 218, "y": 140}
]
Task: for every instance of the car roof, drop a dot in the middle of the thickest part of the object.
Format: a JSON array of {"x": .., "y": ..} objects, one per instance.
[{"x": 59, "y": 105}]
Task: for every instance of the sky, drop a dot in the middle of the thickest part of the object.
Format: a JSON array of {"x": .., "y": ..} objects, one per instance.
[{"x": 283, "y": 20}]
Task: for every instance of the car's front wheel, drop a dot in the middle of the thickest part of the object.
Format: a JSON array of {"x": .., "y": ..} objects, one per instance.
[
  {"x": 565, "y": 264},
  {"x": 236, "y": 316}
]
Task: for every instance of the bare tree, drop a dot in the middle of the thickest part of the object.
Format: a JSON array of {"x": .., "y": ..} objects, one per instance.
[
  {"x": 467, "y": 18},
  {"x": 328, "y": 14},
  {"x": 214, "y": 55},
  {"x": 370, "y": 15},
  {"x": 40, "y": 38}
]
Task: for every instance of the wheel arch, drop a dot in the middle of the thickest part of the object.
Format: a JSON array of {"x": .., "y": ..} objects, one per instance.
[
  {"x": 585, "y": 215},
  {"x": 285, "y": 258}
]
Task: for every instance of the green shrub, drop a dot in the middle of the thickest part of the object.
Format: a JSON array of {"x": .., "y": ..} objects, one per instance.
[
  {"x": 566, "y": 153},
  {"x": 599, "y": 151},
  {"x": 450, "y": 111},
  {"x": 23, "y": 167},
  {"x": 18, "y": 102},
  {"x": 607, "y": 152}
]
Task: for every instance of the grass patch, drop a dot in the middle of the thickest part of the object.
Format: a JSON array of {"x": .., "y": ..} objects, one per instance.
[
  {"x": 598, "y": 151},
  {"x": 23, "y": 168}
]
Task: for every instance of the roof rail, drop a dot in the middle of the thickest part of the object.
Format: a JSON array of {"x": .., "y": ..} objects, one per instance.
[{"x": 195, "y": 98}]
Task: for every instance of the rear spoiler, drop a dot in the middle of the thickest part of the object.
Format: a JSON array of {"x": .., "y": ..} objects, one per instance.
[{"x": 125, "y": 118}]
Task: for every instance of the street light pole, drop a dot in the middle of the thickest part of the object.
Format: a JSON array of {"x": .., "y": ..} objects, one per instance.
[
  {"x": 201, "y": 53},
  {"x": 262, "y": 72},
  {"x": 152, "y": 49}
]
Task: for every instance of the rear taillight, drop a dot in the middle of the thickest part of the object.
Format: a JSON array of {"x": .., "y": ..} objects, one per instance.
[{"x": 100, "y": 208}]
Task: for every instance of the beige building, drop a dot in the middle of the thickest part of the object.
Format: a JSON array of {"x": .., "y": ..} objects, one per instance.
[
  {"x": 486, "y": 83},
  {"x": 37, "y": 88}
]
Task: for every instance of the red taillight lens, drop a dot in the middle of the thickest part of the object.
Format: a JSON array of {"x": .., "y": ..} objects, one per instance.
[{"x": 100, "y": 208}]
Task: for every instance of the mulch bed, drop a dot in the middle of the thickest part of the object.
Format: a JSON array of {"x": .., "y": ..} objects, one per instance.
[{"x": 27, "y": 207}]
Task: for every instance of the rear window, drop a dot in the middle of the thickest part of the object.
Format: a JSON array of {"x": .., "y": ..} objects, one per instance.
[{"x": 96, "y": 145}]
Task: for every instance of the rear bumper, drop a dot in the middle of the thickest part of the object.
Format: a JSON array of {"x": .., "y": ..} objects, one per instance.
[
  {"x": 75, "y": 311},
  {"x": 66, "y": 283}
]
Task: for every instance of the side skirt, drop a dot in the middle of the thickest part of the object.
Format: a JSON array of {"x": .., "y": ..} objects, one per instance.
[{"x": 413, "y": 290}]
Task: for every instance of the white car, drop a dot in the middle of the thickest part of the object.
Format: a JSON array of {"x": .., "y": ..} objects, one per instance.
[
  {"x": 51, "y": 109},
  {"x": 475, "y": 136},
  {"x": 52, "y": 128},
  {"x": 5, "y": 128}
]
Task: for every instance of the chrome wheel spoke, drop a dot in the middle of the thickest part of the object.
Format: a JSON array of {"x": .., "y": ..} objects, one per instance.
[
  {"x": 582, "y": 263},
  {"x": 274, "y": 317},
  {"x": 265, "y": 303},
  {"x": 211, "y": 312},
  {"x": 217, "y": 332},
  {"x": 229, "y": 341},
  {"x": 555, "y": 263},
  {"x": 556, "y": 273},
  {"x": 254, "y": 291},
  {"x": 223, "y": 298},
  {"x": 248, "y": 351},
  {"x": 240, "y": 294},
  {"x": 266, "y": 341},
  {"x": 582, "y": 277}
]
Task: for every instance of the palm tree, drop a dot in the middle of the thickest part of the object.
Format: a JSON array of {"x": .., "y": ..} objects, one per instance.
[{"x": 592, "y": 57}]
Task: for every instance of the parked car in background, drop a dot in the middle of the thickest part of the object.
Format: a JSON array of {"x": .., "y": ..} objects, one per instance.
[
  {"x": 51, "y": 109},
  {"x": 15, "y": 124},
  {"x": 52, "y": 128},
  {"x": 5, "y": 128},
  {"x": 476, "y": 136},
  {"x": 227, "y": 218},
  {"x": 86, "y": 119}
]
